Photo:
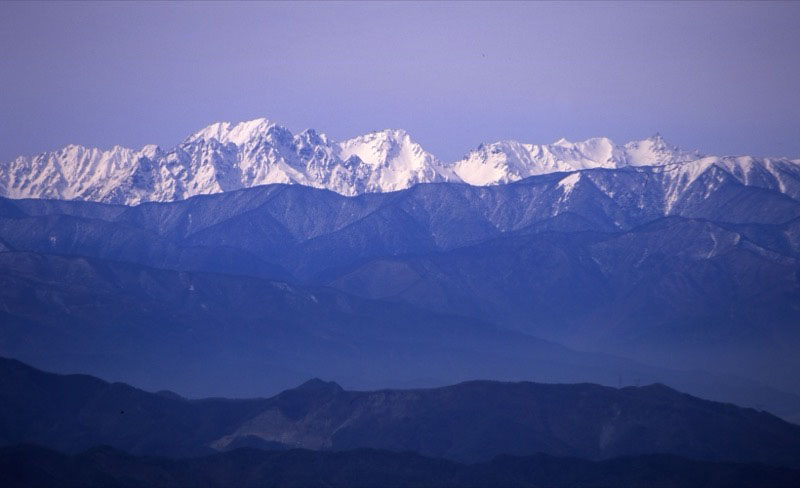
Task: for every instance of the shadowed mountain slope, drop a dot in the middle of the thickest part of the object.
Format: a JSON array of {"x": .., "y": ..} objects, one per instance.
[
  {"x": 470, "y": 421},
  {"x": 707, "y": 295},
  {"x": 202, "y": 334},
  {"x": 681, "y": 266}
]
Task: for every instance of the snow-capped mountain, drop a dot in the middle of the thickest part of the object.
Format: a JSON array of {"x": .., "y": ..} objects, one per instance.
[
  {"x": 392, "y": 161},
  {"x": 506, "y": 161},
  {"x": 225, "y": 156}
]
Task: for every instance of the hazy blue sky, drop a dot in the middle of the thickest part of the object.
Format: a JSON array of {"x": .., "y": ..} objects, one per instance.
[{"x": 719, "y": 77}]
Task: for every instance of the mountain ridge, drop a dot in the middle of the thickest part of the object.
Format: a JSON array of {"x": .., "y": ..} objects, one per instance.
[
  {"x": 468, "y": 422},
  {"x": 719, "y": 274},
  {"x": 225, "y": 156}
]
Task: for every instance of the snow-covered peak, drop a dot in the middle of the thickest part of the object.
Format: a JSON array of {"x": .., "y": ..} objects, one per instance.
[
  {"x": 594, "y": 152},
  {"x": 151, "y": 151},
  {"x": 395, "y": 160},
  {"x": 505, "y": 161},
  {"x": 655, "y": 151},
  {"x": 384, "y": 147},
  {"x": 310, "y": 136},
  {"x": 225, "y": 156},
  {"x": 239, "y": 134}
]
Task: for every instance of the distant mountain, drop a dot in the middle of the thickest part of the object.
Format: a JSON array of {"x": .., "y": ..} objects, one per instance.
[
  {"x": 473, "y": 421},
  {"x": 371, "y": 262},
  {"x": 224, "y": 157},
  {"x": 31, "y": 466},
  {"x": 676, "y": 291},
  {"x": 686, "y": 266},
  {"x": 210, "y": 334},
  {"x": 507, "y": 161},
  {"x": 202, "y": 334}
]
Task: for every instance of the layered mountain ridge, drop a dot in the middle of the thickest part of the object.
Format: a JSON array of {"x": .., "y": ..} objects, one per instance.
[
  {"x": 469, "y": 422},
  {"x": 595, "y": 260},
  {"x": 642, "y": 251},
  {"x": 226, "y": 156}
]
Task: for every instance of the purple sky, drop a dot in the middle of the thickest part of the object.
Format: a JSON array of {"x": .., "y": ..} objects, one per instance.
[{"x": 719, "y": 77}]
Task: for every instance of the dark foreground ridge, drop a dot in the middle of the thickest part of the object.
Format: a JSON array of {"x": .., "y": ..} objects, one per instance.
[
  {"x": 468, "y": 422},
  {"x": 31, "y": 466}
]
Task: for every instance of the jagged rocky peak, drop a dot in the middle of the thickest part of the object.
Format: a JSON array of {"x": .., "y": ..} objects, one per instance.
[{"x": 310, "y": 136}]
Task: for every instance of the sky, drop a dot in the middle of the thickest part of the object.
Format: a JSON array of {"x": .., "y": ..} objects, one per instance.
[{"x": 717, "y": 77}]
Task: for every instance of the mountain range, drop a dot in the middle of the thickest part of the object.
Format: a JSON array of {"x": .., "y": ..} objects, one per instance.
[
  {"x": 225, "y": 156},
  {"x": 490, "y": 320},
  {"x": 568, "y": 262},
  {"x": 213, "y": 334},
  {"x": 468, "y": 422},
  {"x": 703, "y": 275}
]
